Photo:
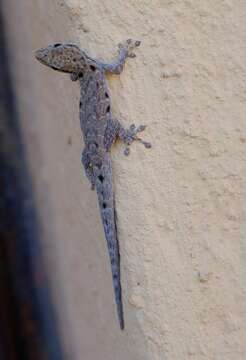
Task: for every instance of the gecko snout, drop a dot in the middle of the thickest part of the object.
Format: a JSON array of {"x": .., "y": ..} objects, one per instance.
[{"x": 40, "y": 55}]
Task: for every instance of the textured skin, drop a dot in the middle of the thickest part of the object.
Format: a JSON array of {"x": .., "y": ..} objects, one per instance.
[{"x": 99, "y": 130}]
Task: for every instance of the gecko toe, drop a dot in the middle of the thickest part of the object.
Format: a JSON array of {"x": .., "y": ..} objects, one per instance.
[
  {"x": 132, "y": 127},
  {"x": 127, "y": 151},
  {"x": 147, "y": 145},
  {"x": 141, "y": 128}
]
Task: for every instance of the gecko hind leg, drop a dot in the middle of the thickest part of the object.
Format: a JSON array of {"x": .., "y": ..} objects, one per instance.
[
  {"x": 88, "y": 169},
  {"x": 115, "y": 130},
  {"x": 130, "y": 135}
]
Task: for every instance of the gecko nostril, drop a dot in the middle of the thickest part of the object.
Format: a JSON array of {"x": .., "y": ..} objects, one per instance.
[
  {"x": 93, "y": 68},
  {"x": 108, "y": 109}
]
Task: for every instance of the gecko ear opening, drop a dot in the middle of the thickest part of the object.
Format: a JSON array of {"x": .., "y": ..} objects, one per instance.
[{"x": 74, "y": 77}]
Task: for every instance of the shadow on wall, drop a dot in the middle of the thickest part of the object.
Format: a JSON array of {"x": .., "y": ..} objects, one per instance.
[{"x": 27, "y": 321}]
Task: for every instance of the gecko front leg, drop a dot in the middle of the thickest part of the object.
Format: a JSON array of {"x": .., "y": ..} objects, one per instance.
[
  {"x": 125, "y": 51},
  {"x": 115, "y": 130}
]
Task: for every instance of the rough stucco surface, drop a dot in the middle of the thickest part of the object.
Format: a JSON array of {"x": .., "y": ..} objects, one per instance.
[{"x": 181, "y": 205}]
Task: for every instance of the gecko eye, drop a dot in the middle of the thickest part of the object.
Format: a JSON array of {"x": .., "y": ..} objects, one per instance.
[{"x": 56, "y": 45}]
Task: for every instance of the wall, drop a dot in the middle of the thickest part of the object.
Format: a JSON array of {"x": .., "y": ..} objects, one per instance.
[{"x": 181, "y": 206}]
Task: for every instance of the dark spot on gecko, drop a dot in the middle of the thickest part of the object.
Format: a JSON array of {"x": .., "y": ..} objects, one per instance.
[
  {"x": 93, "y": 68},
  {"x": 81, "y": 75},
  {"x": 74, "y": 60},
  {"x": 56, "y": 45},
  {"x": 97, "y": 85},
  {"x": 80, "y": 103},
  {"x": 108, "y": 109},
  {"x": 104, "y": 205},
  {"x": 101, "y": 178},
  {"x": 106, "y": 95}
]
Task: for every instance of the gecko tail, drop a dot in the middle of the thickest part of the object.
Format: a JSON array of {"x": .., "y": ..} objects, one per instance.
[
  {"x": 105, "y": 194},
  {"x": 114, "y": 254},
  {"x": 117, "y": 283},
  {"x": 120, "y": 314}
]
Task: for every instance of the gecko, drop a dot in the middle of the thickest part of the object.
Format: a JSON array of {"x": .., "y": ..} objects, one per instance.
[{"x": 100, "y": 130}]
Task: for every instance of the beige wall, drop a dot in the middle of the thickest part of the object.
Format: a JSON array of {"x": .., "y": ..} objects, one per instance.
[{"x": 181, "y": 205}]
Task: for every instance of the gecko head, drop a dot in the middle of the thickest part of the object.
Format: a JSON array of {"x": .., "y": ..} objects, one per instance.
[{"x": 62, "y": 57}]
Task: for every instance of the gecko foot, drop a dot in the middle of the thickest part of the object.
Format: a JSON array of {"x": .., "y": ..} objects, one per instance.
[
  {"x": 130, "y": 135},
  {"x": 128, "y": 47}
]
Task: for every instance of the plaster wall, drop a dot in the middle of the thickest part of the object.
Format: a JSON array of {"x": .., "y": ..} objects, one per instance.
[{"x": 181, "y": 205}]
